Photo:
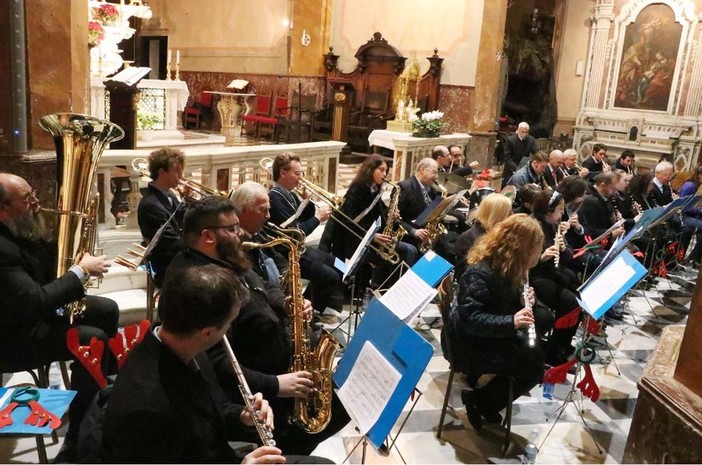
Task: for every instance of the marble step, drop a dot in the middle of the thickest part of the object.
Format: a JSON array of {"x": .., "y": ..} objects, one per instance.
[{"x": 132, "y": 305}]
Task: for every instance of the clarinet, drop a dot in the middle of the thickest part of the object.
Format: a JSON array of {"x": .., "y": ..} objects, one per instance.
[
  {"x": 531, "y": 331},
  {"x": 264, "y": 431}
]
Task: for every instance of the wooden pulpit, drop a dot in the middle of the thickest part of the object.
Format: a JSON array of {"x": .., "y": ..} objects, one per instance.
[
  {"x": 343, "y": 93},
  {"x": 124, "y": 99}
]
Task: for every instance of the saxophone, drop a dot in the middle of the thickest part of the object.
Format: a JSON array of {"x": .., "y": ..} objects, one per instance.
[
  {"x": 80, "y": 141},
  {"x": 388, "y": 251},
  {"x": 314, "y": 412}
]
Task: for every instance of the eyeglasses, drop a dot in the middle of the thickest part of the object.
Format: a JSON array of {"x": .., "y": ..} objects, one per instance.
[
  {"x": 431, "y": 170},
  {"x": 232, "y": 228},
  {"x": 28, "y": 198}
]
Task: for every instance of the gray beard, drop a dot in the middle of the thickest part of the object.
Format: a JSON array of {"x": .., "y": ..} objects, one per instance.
[{"x": 32, "y": 227}]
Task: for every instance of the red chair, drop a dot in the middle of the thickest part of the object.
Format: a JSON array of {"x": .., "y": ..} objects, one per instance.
[
  {"x": 263, "y": 109},
  {"x": 202, "y": 109},
  {"x": 278, "y": 120}
]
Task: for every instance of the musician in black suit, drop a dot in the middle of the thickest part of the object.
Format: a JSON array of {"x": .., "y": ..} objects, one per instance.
[
  {"x": 417, "y": 193},
  {"x": 315, "y": 265},
  {"x": 166, "y": 405},
  {"x": 362, "y": 206},
  {"x": 625, "y": 162},
  {"x": 456, "y": 165},
  {"x": 160, "y": 205},
  {"x": 570, "y": 166},
  {"x": 261, "y": 335},
  {"x": 517, "y": 146},
  {"x": 662, "y": 193},
  {"x": 32, "y": 300},
  {"x": 554, "y": 173},
  {"x": 596, "y": 163},
  {"x": 597, "y": 214}
]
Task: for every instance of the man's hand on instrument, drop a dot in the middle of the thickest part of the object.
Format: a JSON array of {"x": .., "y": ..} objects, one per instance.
[
  {"x": 382, "y": 238},
  {"x": 584, "y": 172},
  {"x": 94, "y": 266},
  {"x": 619, "y": 231},
  {"x": 265, "y": 454},
  {"x": 575, "y": 222},
  {"x": 297, "y": 384},
  {"x": 422, "y": 234},
  {"x": 265, "y": 412},
  {"x": 322, "y": 213}
]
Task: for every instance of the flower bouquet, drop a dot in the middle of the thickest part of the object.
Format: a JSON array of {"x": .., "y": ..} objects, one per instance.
[
  {"x": 106, "y": 14},
  {"x": 429, "y": 124},
  {"x": 95, "y": 33}
]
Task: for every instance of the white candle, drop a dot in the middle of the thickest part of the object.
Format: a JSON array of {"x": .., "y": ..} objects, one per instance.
[
  {"x": 178, "y": 57},
  {"x": 169, "y": 56}
]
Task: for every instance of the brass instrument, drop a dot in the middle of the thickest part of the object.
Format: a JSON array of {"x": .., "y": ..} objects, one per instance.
[
  {"x": 444, "y": 192},
  {"x": 388, "y": 251},
  {"x": 80, "y": 141},
  {"x": 264, "y": 432},
  {"x": 272, "y": 231},
  {"x": 531, "y": 331},
  {"x": 314, "y": 412},
  {"x": 141, "y": 166},
  {"x": 435, "y": 229},
  {"x": 335, "y": 201}
]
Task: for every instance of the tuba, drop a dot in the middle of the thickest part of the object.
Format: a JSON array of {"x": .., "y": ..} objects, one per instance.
[
  {"x": 80, "y": 141},
  {"x": 314, "y": 412}
]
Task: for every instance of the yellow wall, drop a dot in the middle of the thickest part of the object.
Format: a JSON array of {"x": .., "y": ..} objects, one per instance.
[{"x": 573, "y": 47}]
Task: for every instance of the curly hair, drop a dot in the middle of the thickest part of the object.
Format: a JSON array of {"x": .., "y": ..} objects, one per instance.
[
  {"x": 365, "y": 171},
  {"x": 282, "y": 162},
  {"x": 165, "y": 159},
  {"x": 512, "y": 247}
]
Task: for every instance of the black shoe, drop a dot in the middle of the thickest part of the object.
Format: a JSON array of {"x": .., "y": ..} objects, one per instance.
[
  {"x": 494, "y": 418},
  {"x": 474, "y": 418},
  {"x": 614, "y": 315}
]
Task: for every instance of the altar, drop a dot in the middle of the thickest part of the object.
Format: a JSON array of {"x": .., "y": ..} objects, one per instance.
[
  {"x": 408, "y": 150},
  {"x": 158, "y": 98},
  {"x": 229, "y": 107}
]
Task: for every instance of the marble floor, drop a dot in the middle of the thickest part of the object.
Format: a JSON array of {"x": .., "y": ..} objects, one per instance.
[{"x": 597, "y": 436}]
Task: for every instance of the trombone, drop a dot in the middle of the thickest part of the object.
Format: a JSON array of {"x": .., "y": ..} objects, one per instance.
[
  {"x": 140, "y": 165},
  {"x": 335, "y": 202}
]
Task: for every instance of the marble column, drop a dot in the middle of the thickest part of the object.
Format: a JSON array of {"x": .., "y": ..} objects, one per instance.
[{"x": 5, "y": 83}]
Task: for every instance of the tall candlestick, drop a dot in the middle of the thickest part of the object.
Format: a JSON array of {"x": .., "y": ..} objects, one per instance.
[
  {"x": 178, "y": 57},
  {"x": 169, "y": 56}
]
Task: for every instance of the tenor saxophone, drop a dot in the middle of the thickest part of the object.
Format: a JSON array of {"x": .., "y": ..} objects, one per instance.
[{"x": 314, "y": 412}]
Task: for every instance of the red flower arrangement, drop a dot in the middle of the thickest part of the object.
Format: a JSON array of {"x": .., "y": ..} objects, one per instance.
[
  {"x": 95, "y": 33},
  {"x": 106, "y": 13}
]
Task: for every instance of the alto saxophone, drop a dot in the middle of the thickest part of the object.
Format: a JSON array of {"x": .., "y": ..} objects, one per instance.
[
  {"x": 389, "y": 251},
  {"x": 314, "y": 412}
]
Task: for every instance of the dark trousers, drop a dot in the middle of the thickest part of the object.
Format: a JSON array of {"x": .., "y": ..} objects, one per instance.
[
  {"x": 318, "y": 266},
  {"x": 386, "y": 272},
  {"x": 46, "y": 343},
  {"x": 562, "y": 301},
  {"x": 292, "y": 439}
]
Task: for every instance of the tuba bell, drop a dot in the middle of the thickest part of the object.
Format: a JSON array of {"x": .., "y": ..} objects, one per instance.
[{"x": 80, "y": 141}]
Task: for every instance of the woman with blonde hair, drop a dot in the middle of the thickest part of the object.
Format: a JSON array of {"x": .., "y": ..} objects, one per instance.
[
  {"x": 493, "y": 209},
  {"x": 488, "y": 326}
]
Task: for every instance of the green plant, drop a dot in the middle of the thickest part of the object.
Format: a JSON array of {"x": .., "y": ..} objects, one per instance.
[
  {"x": 148, "y": 121},
  {"x": 429, "y": 123}
]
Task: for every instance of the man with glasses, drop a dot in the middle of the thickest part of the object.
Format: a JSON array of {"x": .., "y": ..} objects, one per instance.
[
  {"x": 160, "y": 205},
  {"x": 260, "y": 335},
  {"x": 32, "y": 298},
  {"x": 315, "y": 265},
  {"x": 456, "y": 165}
]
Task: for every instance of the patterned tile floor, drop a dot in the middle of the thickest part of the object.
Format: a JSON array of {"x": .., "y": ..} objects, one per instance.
[{"x": 569, "y": 440}]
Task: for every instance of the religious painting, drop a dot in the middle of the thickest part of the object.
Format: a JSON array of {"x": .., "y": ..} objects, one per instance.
[{"x": 647, "y": 64}]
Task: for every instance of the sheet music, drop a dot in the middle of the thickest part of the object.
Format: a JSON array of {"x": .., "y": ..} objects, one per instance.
[
  {"x": 369, "y": 386},
  {"x": 297, "y": 214},
  {"x": 604, "y": 286},
  {"x": 408, "y": 296},
  {"x": 358, "y": 253}
]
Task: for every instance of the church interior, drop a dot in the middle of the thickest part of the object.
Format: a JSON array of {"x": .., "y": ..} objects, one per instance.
[{"x": 233, "y": 82}]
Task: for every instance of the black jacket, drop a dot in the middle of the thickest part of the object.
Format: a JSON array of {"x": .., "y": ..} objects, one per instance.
[
  {"x": 411, "y": 203},
  {"x": 30, "y": 291},
  {"x": 516, "y": 149},
  {"x": 596, "y": 213},
  {"x": 284, "y": 204},
  {"x": 464, "y": 243},
  {"x": 259, "y": 335},
  {"x": 481, "y": 325},
  {"x": 553, "y": 176},
  {"x": 357, "y": 199},
  {"x": 154, "y": 210},
  {"x": 163, "y": 411},
  {"x": 594, "y": 167},
  {"x": 660, "y": 198}
]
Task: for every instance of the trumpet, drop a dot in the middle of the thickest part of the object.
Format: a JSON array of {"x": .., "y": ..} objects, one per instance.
[
  {"x": 140, "y": 165},
  {"x": 264, "y": 432}
]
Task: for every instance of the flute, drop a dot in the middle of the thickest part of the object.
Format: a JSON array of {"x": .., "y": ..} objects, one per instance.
[
  {"x": 264, "y": 432},
  {"x": 556, "y": 242},
  {"x": 531, "y": 331}
]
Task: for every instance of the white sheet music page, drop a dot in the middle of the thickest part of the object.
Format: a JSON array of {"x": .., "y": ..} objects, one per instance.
[
  {"x": 408, "y": 296},
  {"x": 604, "y": 286},
  {"x": 369, "y": 386},
  {"x": 297, "y": 214}
]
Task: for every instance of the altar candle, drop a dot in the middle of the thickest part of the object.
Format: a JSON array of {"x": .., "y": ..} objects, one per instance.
[
  {"x": 178, "y": 57},
  {"x": 169, "y": 55}
]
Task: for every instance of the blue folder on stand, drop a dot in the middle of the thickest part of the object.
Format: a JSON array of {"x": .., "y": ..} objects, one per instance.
[
  {"x": 407, "y": 351},
  {"x": 432, "y": 268}
]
